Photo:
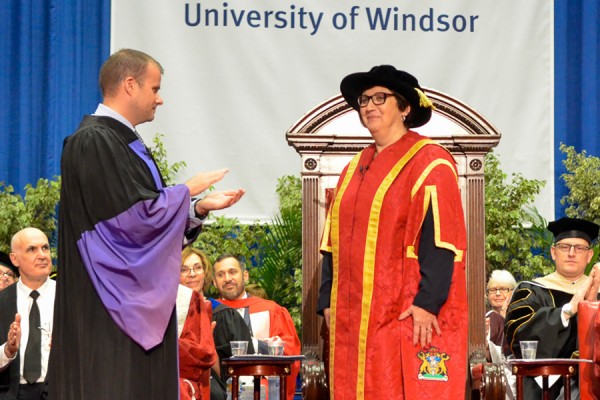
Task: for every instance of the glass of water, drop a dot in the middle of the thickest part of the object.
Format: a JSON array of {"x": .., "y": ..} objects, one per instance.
[{"x": 528, "y": 349}]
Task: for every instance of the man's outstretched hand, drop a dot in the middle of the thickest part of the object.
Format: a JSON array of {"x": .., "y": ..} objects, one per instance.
[{"x": 218, "y": 200}]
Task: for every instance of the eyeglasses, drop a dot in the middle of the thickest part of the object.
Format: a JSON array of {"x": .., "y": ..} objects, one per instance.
[
  {"x": 502, "y": 290},
  {"x": 378, "y": 99},
  {"x": 186, "y": 271},
  {"x": 9, "y": 274},
  {"x": 566, "y": 248}
]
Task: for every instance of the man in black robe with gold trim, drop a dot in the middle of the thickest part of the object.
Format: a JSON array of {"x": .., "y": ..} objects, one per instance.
[
  {"x": 545, "y": 309},
  {"x": 121, "y": 232}
]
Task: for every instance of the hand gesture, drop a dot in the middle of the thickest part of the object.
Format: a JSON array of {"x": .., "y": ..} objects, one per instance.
[
  {"x": 592, "y": 293},
  {"x": 582, "y": 293},
  {"x": 505, "y": 306},
  {"x": 218, "y": 200},
  {"x": 327, "y": 315},
  {"x": 13, "y": 339},
  {"x": 204, "y": 180},
  {"x": 274, "y": 340},
  {"x": 423, "y": 324}
]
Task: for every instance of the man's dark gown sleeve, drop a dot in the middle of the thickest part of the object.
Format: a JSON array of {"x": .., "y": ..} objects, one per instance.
[{"x": 230, "y": 326}]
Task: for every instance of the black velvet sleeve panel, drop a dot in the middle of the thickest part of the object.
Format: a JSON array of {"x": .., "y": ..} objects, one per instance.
[{"x": 436, "y": 267}]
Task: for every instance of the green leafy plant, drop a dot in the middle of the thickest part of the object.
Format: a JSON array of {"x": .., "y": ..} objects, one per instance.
[
  {"x": 36, "y": 208},
  {"x": 582, "y": 180},
  {"x": 516, "y": 235},
  {"x": 279, "y": 270},
  {"x": 228, "y": 235},
  {"x": 159, "y": 152}
]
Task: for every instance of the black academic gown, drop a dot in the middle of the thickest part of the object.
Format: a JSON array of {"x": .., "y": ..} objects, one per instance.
[
  {"x": 121, "y": 233},
  {"x": 230, "y": 326},
  {"x": 9, "y": 378},
  {"x": 535, "y": 314}
]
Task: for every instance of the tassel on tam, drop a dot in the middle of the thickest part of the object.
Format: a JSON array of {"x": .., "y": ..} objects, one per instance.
[{"x": 424, "y": 100}]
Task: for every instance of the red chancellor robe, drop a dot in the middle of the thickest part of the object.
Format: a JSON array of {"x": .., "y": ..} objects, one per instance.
[
  {"x": 372, "y": 230},
  {"x": 197, "y": 351},
  {"x": 280, "y": 324}
]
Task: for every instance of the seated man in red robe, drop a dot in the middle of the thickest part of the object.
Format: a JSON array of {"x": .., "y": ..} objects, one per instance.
[{"x": 267, "y": 320}]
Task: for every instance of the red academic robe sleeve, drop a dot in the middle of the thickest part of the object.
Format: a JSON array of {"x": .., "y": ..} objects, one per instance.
[
  {"x": 196, "y": 350},
  {"x": 283, "y": 326}
]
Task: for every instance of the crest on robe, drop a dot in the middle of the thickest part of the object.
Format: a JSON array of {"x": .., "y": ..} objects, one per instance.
[{"x": 433, "y": 366}]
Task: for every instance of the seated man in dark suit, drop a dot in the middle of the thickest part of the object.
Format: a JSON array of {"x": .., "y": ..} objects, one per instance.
[{"x": 28, "y": 306}]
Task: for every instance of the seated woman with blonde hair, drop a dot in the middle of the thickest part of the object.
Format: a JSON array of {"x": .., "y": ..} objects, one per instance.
[
  {"x": 499, "y": 291},
  {"x": 197, "y": 353}
]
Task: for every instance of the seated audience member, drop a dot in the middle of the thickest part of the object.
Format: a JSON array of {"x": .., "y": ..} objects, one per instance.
[
  {"x": 545, "y": 309},
  {"x": 196, "y": 274},
  {"x": 254, "y": 290},
  {"x": 267, "y": 321},
  {"x": 499, "y": 290},
  {"x": 196, "y": 346},
  {"x": 197, "y": 352},
  {"x": 26, "y": 318},
  {"x": 8, "y": 272}
]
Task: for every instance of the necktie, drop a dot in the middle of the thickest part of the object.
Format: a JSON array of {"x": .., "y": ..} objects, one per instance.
[
  {"x": 247, "y": 319},
  {"x": 32, "y": 367}
]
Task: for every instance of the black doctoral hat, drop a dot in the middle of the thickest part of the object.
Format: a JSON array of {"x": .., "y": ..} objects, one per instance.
[
  {"x": 573, "y": 228},
  {"x": 5, "y": 261},
  {"x": 398, "y": 81}
]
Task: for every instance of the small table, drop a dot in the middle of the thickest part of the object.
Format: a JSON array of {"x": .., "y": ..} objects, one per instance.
[
  {"x": 544, "y": 367},
  {"x": 258, "y": 365}
]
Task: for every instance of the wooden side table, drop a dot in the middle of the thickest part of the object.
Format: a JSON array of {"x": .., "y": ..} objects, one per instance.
[
  {"x": 259, "y": 366},
  {"x": 544, "y": 367}
]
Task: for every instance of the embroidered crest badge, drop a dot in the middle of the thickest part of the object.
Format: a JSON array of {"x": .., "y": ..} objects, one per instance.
[{"x": 433, "y": 366}]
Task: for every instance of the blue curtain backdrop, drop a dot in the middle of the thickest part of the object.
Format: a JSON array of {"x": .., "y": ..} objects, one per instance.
[
  {"x": 52, "y": 51},
  {"x": 576, "y": 83}
]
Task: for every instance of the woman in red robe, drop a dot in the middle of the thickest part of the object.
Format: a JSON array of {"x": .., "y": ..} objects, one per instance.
[
  {"x": 197, "y": 352},
  {"x": 393, "y": 288}
]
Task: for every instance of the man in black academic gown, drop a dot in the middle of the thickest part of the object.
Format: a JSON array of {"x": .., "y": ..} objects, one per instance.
[
  {"x": 121, "y": 232},
  {"x": 545, "y": 309}
]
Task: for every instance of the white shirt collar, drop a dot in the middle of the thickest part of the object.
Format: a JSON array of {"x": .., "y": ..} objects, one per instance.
[
  {"x": 26, "y": 290},
  {"x": 106, "y": 111}
]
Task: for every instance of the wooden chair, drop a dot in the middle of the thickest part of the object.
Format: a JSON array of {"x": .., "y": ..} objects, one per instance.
[{"x": 329, "y": 135}]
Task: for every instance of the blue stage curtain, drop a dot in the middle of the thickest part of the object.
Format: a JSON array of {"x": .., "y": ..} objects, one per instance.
[
  {"x": 51, "y": 54},
  {"x": 576, "y": 83}
]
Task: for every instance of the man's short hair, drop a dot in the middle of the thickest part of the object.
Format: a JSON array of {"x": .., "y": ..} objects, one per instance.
[
  {"x": 229, "y": 255},
  {"x": 122, "y": 64}
]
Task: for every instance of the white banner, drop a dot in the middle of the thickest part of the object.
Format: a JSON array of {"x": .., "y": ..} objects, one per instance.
[{"x": 239, "y": 73}]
